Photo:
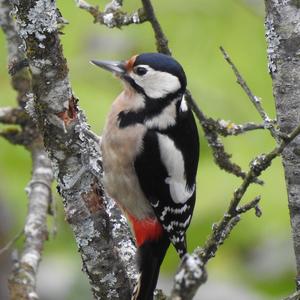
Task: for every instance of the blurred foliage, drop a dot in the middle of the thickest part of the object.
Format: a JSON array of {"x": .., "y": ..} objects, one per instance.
[{"x": 195, "y": 29}]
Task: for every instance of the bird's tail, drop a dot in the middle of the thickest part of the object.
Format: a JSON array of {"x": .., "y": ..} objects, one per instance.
[{"x": 150, "y": 257}]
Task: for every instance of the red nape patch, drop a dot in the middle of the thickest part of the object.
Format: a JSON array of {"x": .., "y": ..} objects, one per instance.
[
  {"x": 145, "y": 230},
  {"x": 130, "y": 63}
]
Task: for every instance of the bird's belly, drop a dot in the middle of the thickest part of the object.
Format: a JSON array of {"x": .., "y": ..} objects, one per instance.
[{"x": 119, "y": 149}]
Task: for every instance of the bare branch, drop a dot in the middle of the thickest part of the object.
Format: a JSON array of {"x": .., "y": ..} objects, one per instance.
[
  {"x": 14, "y": 43},
  {"x": 114, "y": 4},
  {"x": 190, "y": 275},
  {"x": 221, "y": 157},
  {"x": 22, "y": 283},
  {"x": 227, "y": 128},
  {"x": 112, "y": 15},
  {"x": 268, "y": 123},
  {"x": 161, "y": 39},
  {"x": 248, "y": 206},
  {"x": 257, "y": 166},
  {"x": 13, "y": 135},
  {"x": 16, "y": 58},
  {"x": 13, "y": 115}
]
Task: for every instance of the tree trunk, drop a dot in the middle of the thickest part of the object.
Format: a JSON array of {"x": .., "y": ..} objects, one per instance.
[{"x": 283, "y": 37}]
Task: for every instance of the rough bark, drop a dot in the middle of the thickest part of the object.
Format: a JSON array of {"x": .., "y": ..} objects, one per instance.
[
  {"x": 75, "y": 155},
  {"x": 283, "y": 37},
  {"x": 22, "y": 283},
  {"x": 16, "y": 59}
]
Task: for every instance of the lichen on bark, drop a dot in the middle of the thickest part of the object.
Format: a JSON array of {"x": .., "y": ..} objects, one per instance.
[
  {"x": 283, "y": 38},
  {"x": 74, "y": 153}
]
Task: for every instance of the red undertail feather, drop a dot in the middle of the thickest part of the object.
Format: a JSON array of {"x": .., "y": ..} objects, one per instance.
[{"x": 146, "y": 229}]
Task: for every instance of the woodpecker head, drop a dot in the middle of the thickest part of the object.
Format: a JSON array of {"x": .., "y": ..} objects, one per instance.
[{"x": 154, "y": 75}]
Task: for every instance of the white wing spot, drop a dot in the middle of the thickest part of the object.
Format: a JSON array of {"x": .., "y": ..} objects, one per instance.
[
  {"x": 173, "y": 160},
  {"x": 156, "y": 204}
]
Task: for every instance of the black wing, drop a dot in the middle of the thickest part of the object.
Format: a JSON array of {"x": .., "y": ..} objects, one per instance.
[{"x": 166, "y": 170}]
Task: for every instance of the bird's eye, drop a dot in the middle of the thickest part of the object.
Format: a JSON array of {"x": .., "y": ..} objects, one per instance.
[{"x": 140, "y": 71}]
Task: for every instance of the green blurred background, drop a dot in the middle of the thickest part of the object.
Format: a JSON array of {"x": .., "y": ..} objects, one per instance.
[{"x": 256, "y": 262}]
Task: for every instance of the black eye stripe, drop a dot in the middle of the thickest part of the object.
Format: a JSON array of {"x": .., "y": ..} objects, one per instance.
[{"x": 140, "y": 71}]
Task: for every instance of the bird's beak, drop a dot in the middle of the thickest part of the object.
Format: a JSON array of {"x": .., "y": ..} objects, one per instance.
[{"x": 116, "y": 67}]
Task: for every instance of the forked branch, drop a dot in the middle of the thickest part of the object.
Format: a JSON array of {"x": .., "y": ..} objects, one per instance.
[{"x": 113, "y": 16}]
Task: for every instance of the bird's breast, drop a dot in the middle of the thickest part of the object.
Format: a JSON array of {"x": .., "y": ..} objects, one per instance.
[{"x": 120, "y": 147}]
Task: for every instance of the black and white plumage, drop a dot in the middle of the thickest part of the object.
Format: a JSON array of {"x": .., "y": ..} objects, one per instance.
[{"x": 150, "y": 152}]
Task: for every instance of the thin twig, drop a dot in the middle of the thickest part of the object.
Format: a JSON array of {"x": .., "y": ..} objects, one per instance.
[
  {"x": 221, "y": 231},
  {"x": 268, "y": 123},
  {"x": 227, "y": 128},
  {"x": 221, "y": 157},
  {"x": 258, "y": 165},
  {"x": 11, "y": 242},
  {"x": 223, "y": 127},
  {"x": 248, "y": 206},
  {"x": 160, "y": 37}
]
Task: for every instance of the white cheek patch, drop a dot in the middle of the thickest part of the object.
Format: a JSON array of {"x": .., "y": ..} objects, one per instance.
[
  {"x": 172, "y": 158},
  {"x": 157, "y": 84}
]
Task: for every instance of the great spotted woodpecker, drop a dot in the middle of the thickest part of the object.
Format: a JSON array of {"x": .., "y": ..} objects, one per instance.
[{"x": 150, "y": 150}]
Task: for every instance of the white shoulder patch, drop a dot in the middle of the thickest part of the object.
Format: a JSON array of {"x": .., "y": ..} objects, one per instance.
[
  {"x": 183, "y": 105},
  {"x": 165, "y": 119},
  {"x": 172, "y": 158}
]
